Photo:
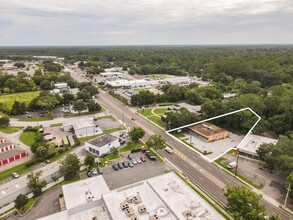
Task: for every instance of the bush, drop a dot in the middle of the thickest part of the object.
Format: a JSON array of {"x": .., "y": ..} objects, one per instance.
[
  {"x": 20, "y": 201},
  {"x": 33, "y": 162}
]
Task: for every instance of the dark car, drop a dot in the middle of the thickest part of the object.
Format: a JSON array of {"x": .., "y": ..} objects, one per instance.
[
  {"x": 130, "y": 157},
  {"x": 89, "y": 173},
  {"x": 115, "y": 166},
  {"x": 125, "y": 164},
  {"x": 100, "y": 171},
  {"x": 120, "y": 165},
  {"x": 104, "y": 155},
  {"x": 122, "y": 142}
]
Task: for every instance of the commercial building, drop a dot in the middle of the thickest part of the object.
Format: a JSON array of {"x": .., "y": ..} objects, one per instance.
[
  {"x": 252, "y": 142},
  {"x": 102, "y": 144},
  {"x": 123, "y": 83},
  {"x": 165, "y": 197},
  {"x": 82, "y": 127},
  {"x": 209, "y": 131},
  {"x": 110, "y": 74},
  {"x": 9, "y": 153}
]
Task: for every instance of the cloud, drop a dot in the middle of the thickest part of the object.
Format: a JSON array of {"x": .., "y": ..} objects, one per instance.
[{"x": 95, "y": 22}]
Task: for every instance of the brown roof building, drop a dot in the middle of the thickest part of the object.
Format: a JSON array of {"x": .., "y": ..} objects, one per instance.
[{"x": 209, "y": 131}]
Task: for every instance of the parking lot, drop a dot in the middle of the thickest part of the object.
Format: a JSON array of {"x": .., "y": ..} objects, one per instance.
[{"x": 126, "y": 176}]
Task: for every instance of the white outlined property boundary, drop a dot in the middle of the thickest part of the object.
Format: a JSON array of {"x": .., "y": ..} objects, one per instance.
[{"x": 209, "y": 119}]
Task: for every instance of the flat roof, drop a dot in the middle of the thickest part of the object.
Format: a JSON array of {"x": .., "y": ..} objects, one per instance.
[
  {"x": 102, "y": 140},
  {"x": 252, "y": 142},
  {"x": 11, "y": 153},
  {"x": 149, "y": 199},
  {"x": 180, "y": 198},
  {"x": 82, "y": 123},
  {"x": 5, "y": 144},
  {"x": 75, "y": 193},
  {"x": 206, "y": 129}
]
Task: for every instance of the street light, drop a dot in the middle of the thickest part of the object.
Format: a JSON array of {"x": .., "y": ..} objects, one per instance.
[{"x": 237, "y": 157}]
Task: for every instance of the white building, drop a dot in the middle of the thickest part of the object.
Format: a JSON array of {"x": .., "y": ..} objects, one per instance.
[
  {"x": 70, "y": 109},
  {"x": 177, "y": 80},
  {"x": 252, "y": 142},
  {"x": 102, "y": 144},
  {"x": 132, "y": 83},
  {"x": 110, "y": 74},
  {"x": 82, "y": 127},
  {"x": 165, "y": 197}
]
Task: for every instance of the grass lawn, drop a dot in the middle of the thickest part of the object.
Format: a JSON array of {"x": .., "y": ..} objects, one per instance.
[
  {"x": 160, "y": 111},
  {"x": 56, "y": 125},
  {"x": 11, "y": 129},
  {"x": 107, "y": 116},
  {"x": 131, "y": 146},
  {"x": 28, "y": 137},
  {"x": 112, "y": 156},
  {"x": 147, "y": 112},
  {"x": 44, "y": 118},
  {"x": 26, "y": 97},
  {"x": 178, "y": 135},
  {"x": 22, "y": 168},
  {"x": 70, "y": 115},
  {"x": 24, "y": 209},
  {"x": 2, "y": 114}
]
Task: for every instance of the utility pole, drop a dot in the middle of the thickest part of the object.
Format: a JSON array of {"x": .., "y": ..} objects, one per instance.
[
  {"x": 287, "y": 194},
  {"x": 237, "y": 157}
]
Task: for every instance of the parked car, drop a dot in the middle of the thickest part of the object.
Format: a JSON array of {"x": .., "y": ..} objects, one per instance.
[
  {"x": 47, "y": 161},
  {"x": 15, "y": 175},
  {"x": 115, "y": 166},
  {"x": 133, "y": 161},
  {"x": 94, "y": 171},
  {"x": 122, "y": 142},
  {"x": 120, "y": 165},
  {"x": 29, "y": 116},
  {"x": 130, "y": 164},
  {"x": 125, "y": 164},
  {"x": 169, "y": 150},
  {"x": 138, "y": 160},
  {"x": 133, "y": 119},
  {"x": 146, "y": 152},
  {"x": 89, "y": 173},
  {"x": 130, "y": 157},
  {"x": 232, "y": 165},
  {"x": 152, "y": 157},
  {"x": 100, "y": 171},
  {"x": 104, "y": 155},
  {"x": 143, "y": 159}
]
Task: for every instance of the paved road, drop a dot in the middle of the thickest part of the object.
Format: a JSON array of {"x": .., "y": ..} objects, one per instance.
[{"x": 205, "y": 174}]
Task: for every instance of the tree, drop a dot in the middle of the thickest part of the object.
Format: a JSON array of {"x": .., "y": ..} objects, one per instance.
[
  {"x": 89, "y": 160},
  {"x": 243, "y": 204},
  {"x": 20, "y": 201},
  {"x": 68, "y": 98},
  {"x": 69, "y": 166},
  {"x": 4, "y": 122},
  {"x": 18, "y": 108},
  {"x": 79, "y": 106},
  {"x": 136, "y": 133},
  {"x": 35, "y": 184},
  {"x": 19, "y": 64},
  {"x": 93, "y": 106},
  {"x": 156, "y": 141},
  {"x": 46, "y": 85},
  {"x": 84, "y": 95}
]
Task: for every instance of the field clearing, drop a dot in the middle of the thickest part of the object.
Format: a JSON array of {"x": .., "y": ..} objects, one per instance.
[{"x": 26, "y": 97}]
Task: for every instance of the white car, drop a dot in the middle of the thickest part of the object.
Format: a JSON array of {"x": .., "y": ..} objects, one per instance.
[
  {"x": 232, "y": 165},
  {"x": 15, "y": 175},
  {"x": 134, "y": 161},
  {"x": 94, "y": 171},
  {"x": 169, "y": 150},
  {"x": 138, "y": 160}
]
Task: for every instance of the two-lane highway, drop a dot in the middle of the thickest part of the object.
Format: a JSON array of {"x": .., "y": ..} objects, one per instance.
[{"x": 206, "y": 175}]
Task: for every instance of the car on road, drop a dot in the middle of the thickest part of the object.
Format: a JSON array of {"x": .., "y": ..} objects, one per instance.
[
  {"x": 133, "y": 119},
  {"x": 15, "y": 175},
  {"x": 143, "y": 159},
  {"x": 125, "y": 164},
  {"x": 94, "y": 171},
  {"x": 134, "y": 161},
  {"x": 169, "y": 150},
  {"x": 47, "y": 161},
  {"x": 138, "y": 160},
  {"x": 120, "y": 165},
  {"x": 115, "y": 166},
  {"x": 100, "y": 171},
  {"x": 89, "y": 173}
]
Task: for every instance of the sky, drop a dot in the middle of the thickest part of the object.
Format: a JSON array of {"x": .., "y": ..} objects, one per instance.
[{"x": 145, "y": 22}]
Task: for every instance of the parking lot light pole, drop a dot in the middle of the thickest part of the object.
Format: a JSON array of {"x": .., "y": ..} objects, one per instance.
[{"x": 287, "y": 194}]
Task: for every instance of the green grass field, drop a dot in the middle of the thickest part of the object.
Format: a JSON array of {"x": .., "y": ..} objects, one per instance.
[
  {"x": 147, "y": 112},
  {"x": 160, "y": 111},
  {"x": 45, "y": 118},
  {"x": 56, "y": 125},
  {"x": 10, "y": 129},
  {"x": 28, "y": 138},
  {"x": 9, "y": 99}
]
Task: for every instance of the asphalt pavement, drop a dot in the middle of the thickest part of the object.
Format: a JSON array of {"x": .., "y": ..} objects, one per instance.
[{"x": 208, "y": 176}]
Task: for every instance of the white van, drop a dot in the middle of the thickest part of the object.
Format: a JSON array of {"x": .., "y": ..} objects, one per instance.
[
  {"x": 232, "y": 165},
  {"x": 169, "y": 150}
]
